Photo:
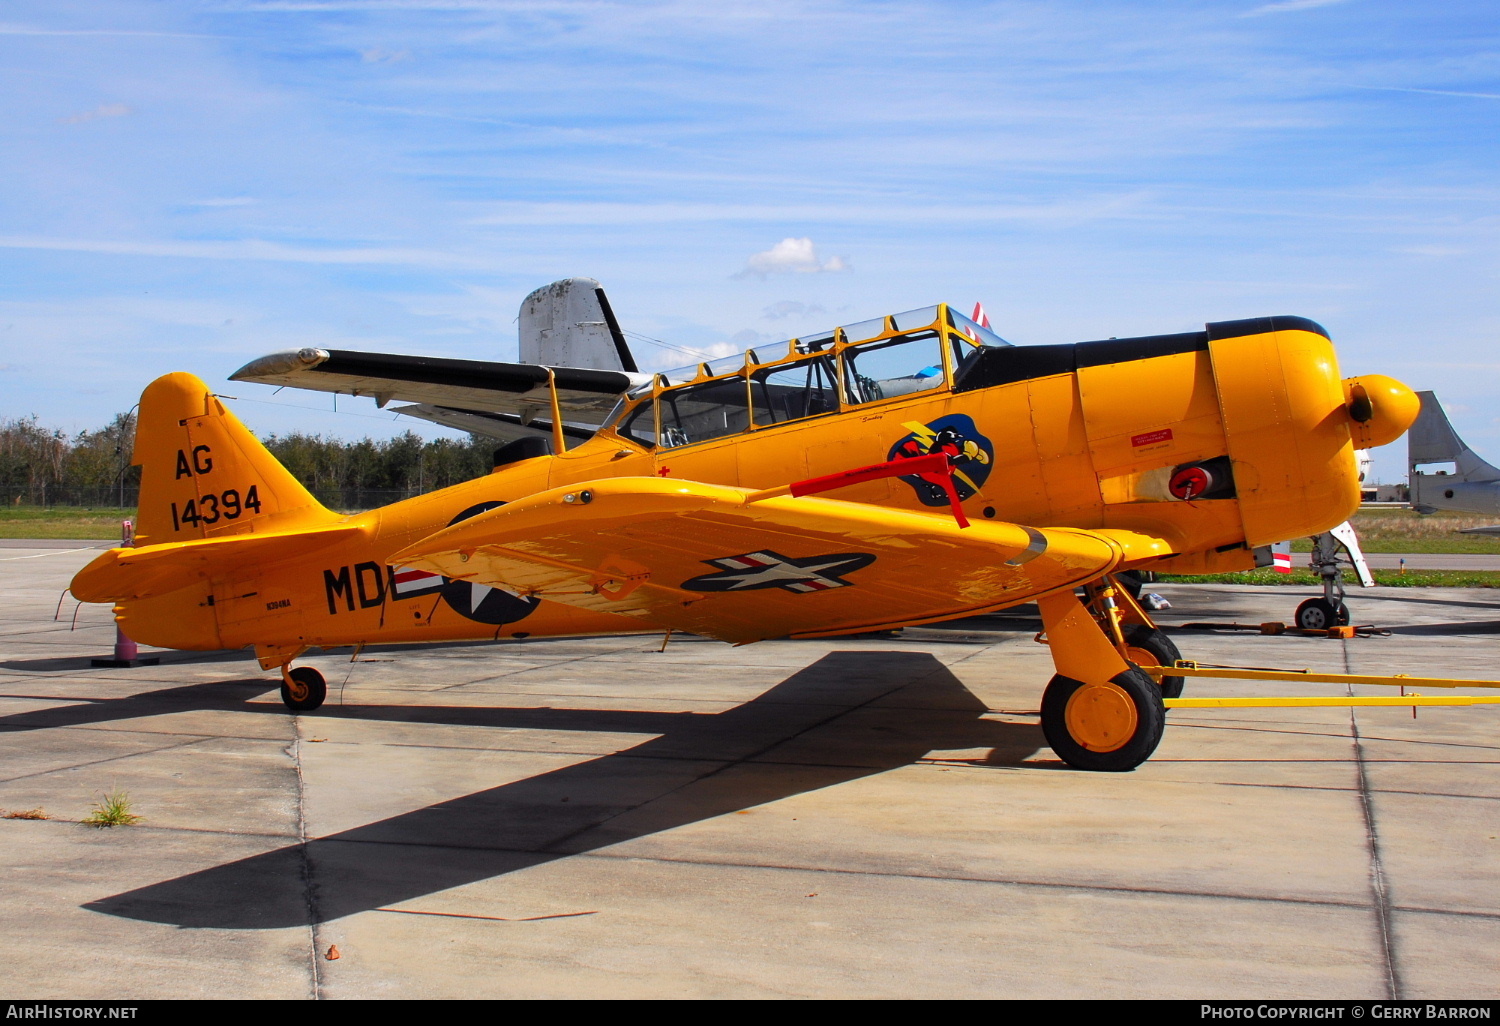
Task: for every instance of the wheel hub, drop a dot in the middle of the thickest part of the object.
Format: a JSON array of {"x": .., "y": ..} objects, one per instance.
[{"x": 1101, "y": 717}]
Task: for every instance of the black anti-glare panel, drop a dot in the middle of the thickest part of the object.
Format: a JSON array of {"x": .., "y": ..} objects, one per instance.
[
  {"x": 1123, "y": 350},
  {"x": 988, "y": 367},
  {"x": 1262, "y": 325},
  {"x": 992, "y": 365}
]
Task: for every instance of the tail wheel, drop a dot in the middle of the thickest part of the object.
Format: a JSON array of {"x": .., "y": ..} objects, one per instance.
[
  {"x": 1112, "y": 727},
  {"x": 303, "y": 689},
  {"x": 1318, "y": 614},
  {"x": 1148, "y": 646}
]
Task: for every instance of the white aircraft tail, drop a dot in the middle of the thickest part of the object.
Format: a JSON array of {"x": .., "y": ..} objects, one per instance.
[
  {"x": 570, "y": 324},
  {"x": 1433, "y": 440},
  {"x": 1474, "y": 485}
]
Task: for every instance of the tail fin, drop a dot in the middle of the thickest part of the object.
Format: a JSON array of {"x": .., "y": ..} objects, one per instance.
[
  {"x": 1432, "y": 439},
  {"x": 204, "y": 475},
  {"x": 570, "y": 324}
]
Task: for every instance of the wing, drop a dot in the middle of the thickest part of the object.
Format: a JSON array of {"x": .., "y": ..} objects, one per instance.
[
  {"x": 726, "y": 563},
  {"x": 585, "y": 396}
]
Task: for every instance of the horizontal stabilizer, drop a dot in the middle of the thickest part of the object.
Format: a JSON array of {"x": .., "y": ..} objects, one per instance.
[
  {"x": 123, "y": 574},
  {"x": 724, "y": 563}
]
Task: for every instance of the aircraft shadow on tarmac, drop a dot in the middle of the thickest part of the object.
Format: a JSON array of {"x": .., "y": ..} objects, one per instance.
[{"x": 824, "y": 725}]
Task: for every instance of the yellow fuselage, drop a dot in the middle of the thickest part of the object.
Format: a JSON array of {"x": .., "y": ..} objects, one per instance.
[{"x": 1084, "y": 436}]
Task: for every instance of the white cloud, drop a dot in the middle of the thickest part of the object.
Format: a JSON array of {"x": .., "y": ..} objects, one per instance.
[
  {"x": 789, "y": 256},
  {"x": 104, "y": 110},
  {"x": 1432, "y": 92},
  {"x": 245, "y": 249},
  {"x": 378, "y": 55},
  {"x": 790, "y": 308},
  {"x": 1289, "y": 5}
]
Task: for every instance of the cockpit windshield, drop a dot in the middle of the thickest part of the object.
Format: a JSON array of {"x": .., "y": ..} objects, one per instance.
[{"x": 978, "y": 334}]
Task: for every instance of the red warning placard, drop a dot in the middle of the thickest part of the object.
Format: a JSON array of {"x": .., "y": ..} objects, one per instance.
[{"x": 1152, "y": 437}]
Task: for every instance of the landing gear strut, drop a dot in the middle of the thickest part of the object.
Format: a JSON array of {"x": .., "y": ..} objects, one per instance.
[
  {"x": 302, "y": 689},
  {"x": 1101, "y": 711},
  {"x": 1332, "y": 552}
]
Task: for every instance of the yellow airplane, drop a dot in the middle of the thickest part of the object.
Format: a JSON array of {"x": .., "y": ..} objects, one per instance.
[{"x": 900, "y": 471}]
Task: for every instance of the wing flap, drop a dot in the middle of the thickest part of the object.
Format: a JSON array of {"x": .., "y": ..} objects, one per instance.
[{"x": 707, "y": 559}]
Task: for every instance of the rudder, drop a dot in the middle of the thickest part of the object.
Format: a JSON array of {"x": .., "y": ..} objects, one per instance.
[{"x": 203, "y": 474}]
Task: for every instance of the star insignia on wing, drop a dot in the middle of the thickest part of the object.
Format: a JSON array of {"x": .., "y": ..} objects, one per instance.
[{"x": 753, "y": 571}]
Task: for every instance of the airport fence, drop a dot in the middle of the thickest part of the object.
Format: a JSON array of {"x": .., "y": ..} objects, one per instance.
[{"x": 52, "y": 494}]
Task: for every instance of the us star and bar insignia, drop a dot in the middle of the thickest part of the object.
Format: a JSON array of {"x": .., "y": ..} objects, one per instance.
[{"x": 756, "y": 570}]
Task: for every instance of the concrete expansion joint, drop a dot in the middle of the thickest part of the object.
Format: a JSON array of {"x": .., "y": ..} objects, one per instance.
[
  {"x": 112, "y": 758},
  {"x": 1379, "y": 892},
  {"x": 1053, "y": 885},
  {"x": 309, "y": 884}
]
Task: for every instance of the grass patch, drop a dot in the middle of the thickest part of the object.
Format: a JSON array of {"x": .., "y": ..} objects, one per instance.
[
  {"x": 112, "y": 810},
  {"x": 27, "y": 814},
  {"x": 1385, "y": 578},
  {"x": 1404, "y": 530},
  {"x": 62, "y": 522}
]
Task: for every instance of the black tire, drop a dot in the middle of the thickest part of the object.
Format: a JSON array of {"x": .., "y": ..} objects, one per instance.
[
  {"x": 1155, "y": 648},
  {"x": 1318, "y": 614},
  {"x": 1142, "y": 730},
  {"x": 311, "y": 690}
]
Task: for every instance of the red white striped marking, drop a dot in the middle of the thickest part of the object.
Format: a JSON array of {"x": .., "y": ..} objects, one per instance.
[{"x": 410, "y": 580}]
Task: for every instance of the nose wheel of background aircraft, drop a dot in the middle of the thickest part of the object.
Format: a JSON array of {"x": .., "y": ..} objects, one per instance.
[
  {"x": 1112, "y": 727},
  {"x": 1319, "y": 614},
  {"x": 302, "y": 689}
]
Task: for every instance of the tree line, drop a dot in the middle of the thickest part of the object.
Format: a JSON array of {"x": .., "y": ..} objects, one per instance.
[{"x": 42, "y": 466}]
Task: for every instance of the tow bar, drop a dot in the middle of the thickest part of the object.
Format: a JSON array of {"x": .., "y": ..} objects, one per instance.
[{"x": 1189, "y": 668}]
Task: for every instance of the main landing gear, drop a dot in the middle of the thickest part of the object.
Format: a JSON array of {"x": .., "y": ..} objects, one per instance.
[{"x": 1101, "y": 711}]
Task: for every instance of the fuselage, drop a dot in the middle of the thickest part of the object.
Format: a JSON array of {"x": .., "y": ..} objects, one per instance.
[{"x": 1217, "y": 442}]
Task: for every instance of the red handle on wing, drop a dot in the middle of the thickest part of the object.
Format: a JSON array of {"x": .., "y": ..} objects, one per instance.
[{"x": 935, "y": 468}]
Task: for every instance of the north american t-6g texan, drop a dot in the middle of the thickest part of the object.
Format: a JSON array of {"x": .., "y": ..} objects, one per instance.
[{"x": 902, "y": 470}]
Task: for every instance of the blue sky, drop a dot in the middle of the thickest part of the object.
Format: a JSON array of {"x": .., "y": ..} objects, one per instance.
[{"x": 187, "y": 184}]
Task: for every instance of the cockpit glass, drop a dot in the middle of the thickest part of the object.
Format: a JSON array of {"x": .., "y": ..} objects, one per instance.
[
  {"x": 793, "y": 391},
  {"x": 979, "y": 336},
  {"x": 968, "y": 339},
  {"x": 814, "y": 343},
  {"x": 865, "y": 329},
  {"x": 911, "y": 319},
  {"x": 898, "y": 366},
  {"x": 710, "y": 410},
  {"x": 640, "y": 425}
]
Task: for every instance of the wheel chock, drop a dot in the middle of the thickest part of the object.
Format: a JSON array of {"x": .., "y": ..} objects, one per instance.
[
  {"x": 1341, "y": 632},
  {"x": 1273, "y": 627}
]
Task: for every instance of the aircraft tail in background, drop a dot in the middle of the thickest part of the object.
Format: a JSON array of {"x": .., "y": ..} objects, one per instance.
[
  {"x": 1474, "y": 485},
  {"x": 570, "y": 324}
]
